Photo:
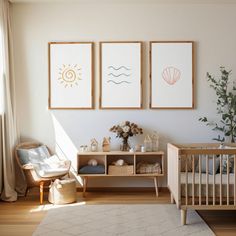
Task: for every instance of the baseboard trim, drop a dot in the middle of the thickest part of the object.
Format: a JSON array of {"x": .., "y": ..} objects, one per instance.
[{"x": 122, "y": 189}]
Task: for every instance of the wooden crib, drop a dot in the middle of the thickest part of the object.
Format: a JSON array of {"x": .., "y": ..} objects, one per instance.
[{"x": 202, "y": 176}]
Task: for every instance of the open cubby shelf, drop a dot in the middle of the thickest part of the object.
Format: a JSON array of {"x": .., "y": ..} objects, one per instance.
[{"x": 132, "y": 159}]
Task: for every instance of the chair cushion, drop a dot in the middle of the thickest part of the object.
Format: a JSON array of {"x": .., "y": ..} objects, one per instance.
[
  {"x": 51, "y": 167},
  {"x": 99, "y": 169},
  {"x": 44, "y": 165},
  {"x": 46, "y": 171},
  {"x": 32, "y": 155},
  {"x": 23, "y": 155}
]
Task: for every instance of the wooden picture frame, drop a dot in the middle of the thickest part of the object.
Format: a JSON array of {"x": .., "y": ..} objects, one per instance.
[
  {"x": 70, "y": 75},
  {"x": 120, "y": 75},
  {"x": 171, "y": 74}
]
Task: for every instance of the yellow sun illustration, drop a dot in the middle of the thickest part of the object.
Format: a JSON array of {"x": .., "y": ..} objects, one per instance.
[{"x": 69, "y": 75}]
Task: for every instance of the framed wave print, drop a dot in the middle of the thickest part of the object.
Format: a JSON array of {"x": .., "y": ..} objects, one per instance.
[
  {"x": 70, "y": 75},
  {"x": 120, "y": 75},
  {"x": 172, "y": 75}
]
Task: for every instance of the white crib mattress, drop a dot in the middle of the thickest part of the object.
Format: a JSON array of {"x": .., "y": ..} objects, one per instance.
[{"x": 210, "y": 184}]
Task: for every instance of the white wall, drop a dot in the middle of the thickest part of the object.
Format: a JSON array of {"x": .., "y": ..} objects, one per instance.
[{"x": 211, "y": 26}]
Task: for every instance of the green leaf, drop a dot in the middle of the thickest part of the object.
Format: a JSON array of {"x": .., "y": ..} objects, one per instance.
[
  {"x": 224, "y": 89},
  {"x": 228, "y": 133},
  {"x": 219, "y": 139},
  {"x": 218, "y": 128},
  {"x": 203, "y": 119}
]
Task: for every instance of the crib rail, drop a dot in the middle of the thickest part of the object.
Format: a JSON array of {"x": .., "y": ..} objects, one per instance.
[
  {"x": 173, "y": 175},
  {"x": 206, "y": 175},
  {"x": 1, "y": 138}
]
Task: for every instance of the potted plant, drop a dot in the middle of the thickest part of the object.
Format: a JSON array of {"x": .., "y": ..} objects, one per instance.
[
  {"x": 124, "y": 131},
  {"x": 226, "y": 105}
]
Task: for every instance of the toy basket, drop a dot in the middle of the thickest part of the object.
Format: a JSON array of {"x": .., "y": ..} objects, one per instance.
[
  {"x": 62, "y": 191},
  {"x": 121, "y": 170}
]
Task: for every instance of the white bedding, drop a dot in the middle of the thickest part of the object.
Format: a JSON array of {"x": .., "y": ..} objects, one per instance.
[
  {"x": 210, "y": 184},
  {"x": 51, "y": 167}
]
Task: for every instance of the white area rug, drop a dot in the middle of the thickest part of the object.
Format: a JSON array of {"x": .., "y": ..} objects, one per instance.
[{"x": 123, "y": 220}]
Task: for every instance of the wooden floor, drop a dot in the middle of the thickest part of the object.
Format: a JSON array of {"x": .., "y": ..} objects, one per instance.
[
  {"x": 22, "y": 217},
  {"x": 223, "y": 223}
]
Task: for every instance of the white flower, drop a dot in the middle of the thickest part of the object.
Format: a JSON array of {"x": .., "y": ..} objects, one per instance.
[
  {"x": 122, "y": 124},
  {"x": 126, "y": 129}
]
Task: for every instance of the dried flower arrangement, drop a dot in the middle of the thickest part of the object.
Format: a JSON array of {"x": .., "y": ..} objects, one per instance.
[{"x": 125, "y": 130}]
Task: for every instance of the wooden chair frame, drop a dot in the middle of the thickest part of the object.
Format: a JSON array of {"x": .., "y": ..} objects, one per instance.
[{"x": 31, "y": 177}]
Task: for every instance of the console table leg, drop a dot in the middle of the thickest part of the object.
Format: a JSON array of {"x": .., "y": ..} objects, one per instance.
[
  {"x": 183, "y": 216},
  {"x": 172, "y": 200},
  {"x": 85, "y": 182},
  {"x": 156, "y": 186}
]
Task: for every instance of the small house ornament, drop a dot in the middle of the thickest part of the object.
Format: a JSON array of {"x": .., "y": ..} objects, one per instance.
[
  {"x": 94, "y": 145},
  {"x": 155, "y": 141},
  {"x": 148, "y": 143},
  {"x": 106, "y": 144}
]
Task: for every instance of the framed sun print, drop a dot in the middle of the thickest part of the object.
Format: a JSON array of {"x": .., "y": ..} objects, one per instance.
[
  {"x": 70, "y": 75},
  {"x": 121, "y": 75},
  {"x": 172, "y": 75}
]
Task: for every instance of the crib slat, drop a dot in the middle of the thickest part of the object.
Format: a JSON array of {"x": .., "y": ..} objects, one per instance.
[
  {"x": 186, "y": 179},
  {"x": 214, "y": 190},
  {"x": 235, "y": 180},
  {"x": 221, "y": 180},
  {"x": 207, "y": 175},
  {"x": 227, "y": 180},
  {"x": 193, "y": 180},
  {"x": 200, "y": 180}
]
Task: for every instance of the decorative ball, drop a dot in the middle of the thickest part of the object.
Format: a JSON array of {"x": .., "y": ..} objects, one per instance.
[
  {"x": 92, "y": 162},
  {"x": 120, "y": 162}
]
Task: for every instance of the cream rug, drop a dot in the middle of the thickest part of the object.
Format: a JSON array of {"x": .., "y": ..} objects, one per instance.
[{"x": 122, "y": 220}]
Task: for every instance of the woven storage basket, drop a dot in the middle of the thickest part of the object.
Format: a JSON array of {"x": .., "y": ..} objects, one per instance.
[
  {"x": 121, "y": 170},
  {"x": 147, "y": 168},
  {"x": 62, "y": 191}
]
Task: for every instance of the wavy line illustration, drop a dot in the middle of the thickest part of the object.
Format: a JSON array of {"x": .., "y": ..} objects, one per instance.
[
  {"x": 118, "y": 68},
  {"x": 111, "y": 74},
  {"x": 115, "y": 82}
]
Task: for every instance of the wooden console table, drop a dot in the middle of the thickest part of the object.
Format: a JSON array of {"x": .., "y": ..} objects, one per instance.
[{"x": 132, "y": 159}]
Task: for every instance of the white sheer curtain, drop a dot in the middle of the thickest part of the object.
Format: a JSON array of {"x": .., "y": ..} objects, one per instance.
[{"x": 11, "y": 178}]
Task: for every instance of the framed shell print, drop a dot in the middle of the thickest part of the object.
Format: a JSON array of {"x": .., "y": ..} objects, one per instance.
[
  {"x": 70, "y": 75},
  {"x": 172, "y": 75},
  {"x": 120, "y": 75}
]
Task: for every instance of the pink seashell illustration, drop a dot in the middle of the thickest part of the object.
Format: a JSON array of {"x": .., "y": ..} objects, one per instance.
[{"x": 171, "y": 75}]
